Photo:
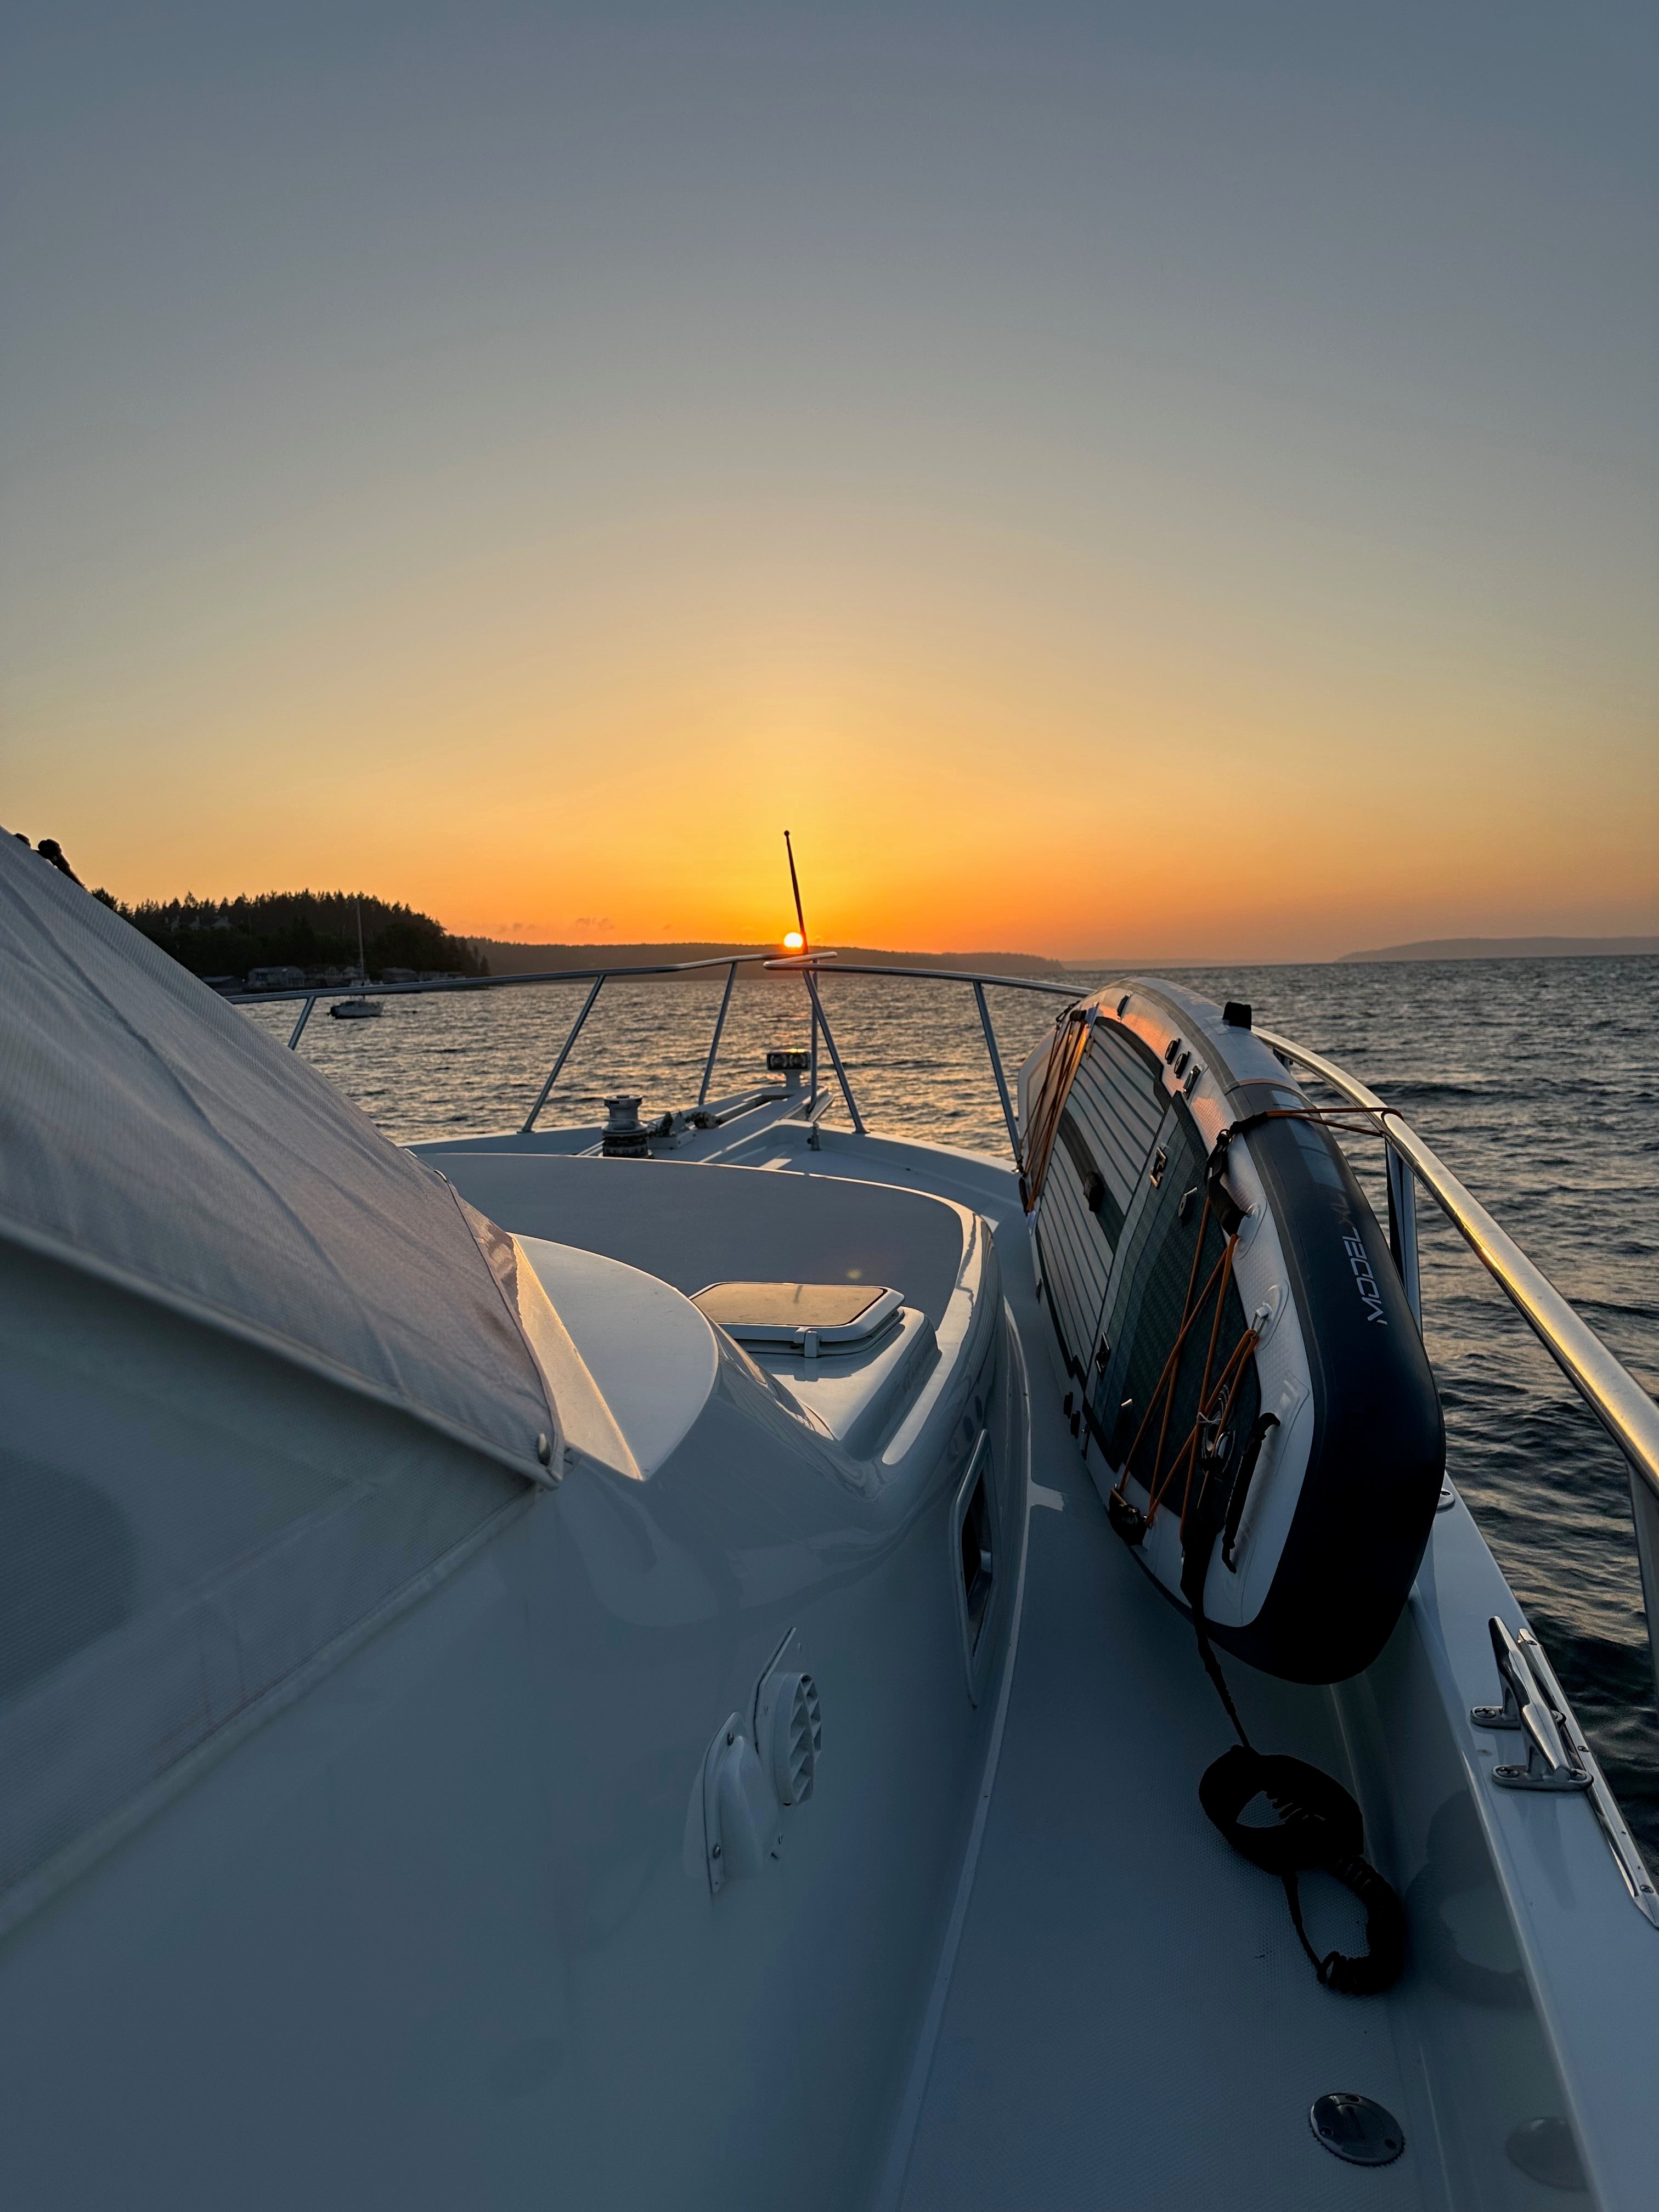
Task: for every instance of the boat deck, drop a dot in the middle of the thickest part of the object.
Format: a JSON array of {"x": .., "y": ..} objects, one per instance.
[
  {"x": 1131, "y": 2020},
  {"x": 1125, "y": 2019}
]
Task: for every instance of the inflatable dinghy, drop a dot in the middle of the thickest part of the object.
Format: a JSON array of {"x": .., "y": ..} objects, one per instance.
[{"x": 1248, "y": 1386}]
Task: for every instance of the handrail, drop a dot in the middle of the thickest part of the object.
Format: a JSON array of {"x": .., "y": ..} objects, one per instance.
[
  {"x": 809, "y": 967},
  {"x": 775, "y": 962},
  {"x": 434, "y": 983},
  {"x": 811, "y": 961},
  {"x": 1624, "y": 1409},
  {"x": 1617, "y": 1399}
]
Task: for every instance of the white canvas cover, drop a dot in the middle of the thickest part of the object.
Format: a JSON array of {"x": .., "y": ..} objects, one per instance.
[
  {"x": 149, "y": 1131},
  {"x": 190, "y": 1529}
]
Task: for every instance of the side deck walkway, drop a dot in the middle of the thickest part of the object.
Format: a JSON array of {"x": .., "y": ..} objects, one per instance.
[{"x": 1131, "y": 2023}]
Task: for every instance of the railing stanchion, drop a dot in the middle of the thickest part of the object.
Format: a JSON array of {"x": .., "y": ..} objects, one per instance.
[
  {"x": 299, "y": 1026},
  {"x": 1644, "y": 1512},
  {"x": 820, "y": 1021},
  {"x": 1402, "y": 1231},
  {"x": 564, "y": 1054},
  {"x": 714, "y": 1042},
  {"x": 996, "y": 1070}
]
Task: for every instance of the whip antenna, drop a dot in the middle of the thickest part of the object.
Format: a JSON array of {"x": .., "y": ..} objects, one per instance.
[{"x": 794, "y": 885}]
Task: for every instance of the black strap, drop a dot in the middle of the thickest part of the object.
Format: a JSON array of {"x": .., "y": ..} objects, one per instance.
[
  {"x": 1197, "y": 1547},
  {"x": 1319, "y": 1823}
]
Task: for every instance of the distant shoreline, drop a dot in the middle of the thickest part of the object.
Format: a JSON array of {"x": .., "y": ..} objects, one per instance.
[
  {"x": 1510, "y": 948},
  {"x": 506, "y": 957}
]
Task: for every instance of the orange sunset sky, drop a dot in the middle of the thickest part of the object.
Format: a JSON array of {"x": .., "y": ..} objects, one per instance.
[{"x": 1148, "y": 488}]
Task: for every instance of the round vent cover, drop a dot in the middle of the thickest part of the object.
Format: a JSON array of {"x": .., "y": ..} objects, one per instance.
[{"x": 797, "y": 1738}]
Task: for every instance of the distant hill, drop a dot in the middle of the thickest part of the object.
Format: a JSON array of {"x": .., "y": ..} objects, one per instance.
[
  {"x": 513, "y": 959},
  {"x": 1510, "y": 948},
  {"x": 316, "y": 931}
]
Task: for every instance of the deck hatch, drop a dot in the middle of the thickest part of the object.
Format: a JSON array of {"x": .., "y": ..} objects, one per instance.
[{"x": 837, "y": 1315}]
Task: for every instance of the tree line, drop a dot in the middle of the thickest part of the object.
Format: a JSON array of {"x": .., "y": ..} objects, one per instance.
[{"x": 312, "y": 930}]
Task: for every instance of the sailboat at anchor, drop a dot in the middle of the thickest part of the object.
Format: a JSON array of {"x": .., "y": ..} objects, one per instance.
[{"x": 364, "y": 1009}]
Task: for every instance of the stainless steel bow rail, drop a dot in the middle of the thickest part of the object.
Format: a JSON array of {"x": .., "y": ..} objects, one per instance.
[
  {"x": 809, "y": 967},
  {"x": 1618, "y": 1401},
  {"x": 1623, "y": 1408}
]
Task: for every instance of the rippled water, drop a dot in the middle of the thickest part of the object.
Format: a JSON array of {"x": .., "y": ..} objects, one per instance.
[{"x": 1537, "y": 1082}]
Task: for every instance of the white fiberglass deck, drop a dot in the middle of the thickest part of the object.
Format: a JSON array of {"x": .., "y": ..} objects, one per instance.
[
  {"x": 1126, "y": 2020},
  {"x": 1129, "y": 2023},
  {"x": 1131, "y": 2020}
]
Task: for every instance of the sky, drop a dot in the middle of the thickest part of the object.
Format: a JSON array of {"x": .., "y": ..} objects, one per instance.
[{"x": 1174, "y": 482}]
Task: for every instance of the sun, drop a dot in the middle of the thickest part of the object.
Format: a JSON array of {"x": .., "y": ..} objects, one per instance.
[{"x": 792, "y": 940}]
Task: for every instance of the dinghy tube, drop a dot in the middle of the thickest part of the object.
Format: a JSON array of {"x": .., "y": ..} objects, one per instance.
[{"x": 1247, "y": 1385}]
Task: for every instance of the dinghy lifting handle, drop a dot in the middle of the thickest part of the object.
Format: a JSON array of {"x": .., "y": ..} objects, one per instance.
[{"x": 1219, "y": 1200}]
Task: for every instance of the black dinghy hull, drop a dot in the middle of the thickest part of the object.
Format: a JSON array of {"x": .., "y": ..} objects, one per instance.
[{"x": 1246, "y": 1377}]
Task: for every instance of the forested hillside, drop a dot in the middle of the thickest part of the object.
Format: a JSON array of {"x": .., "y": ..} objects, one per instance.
[{"x": 312, "y": 930}]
